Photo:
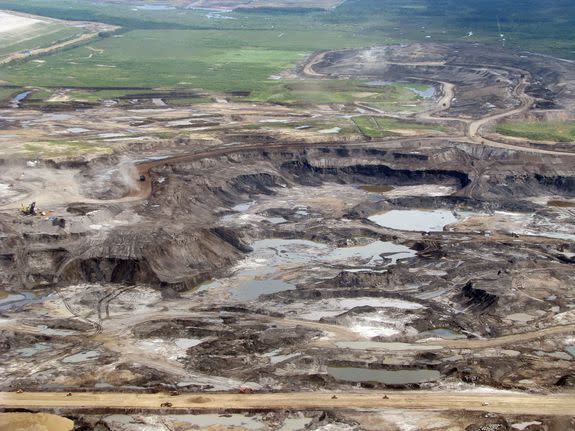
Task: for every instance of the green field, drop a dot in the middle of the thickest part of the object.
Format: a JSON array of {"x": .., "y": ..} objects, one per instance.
[
  {"x": 190, "y": 49},
  {"x": 381, "y": 127},
  {"x": 558, "y": 131},
  {"x": 393, "y": 96},
  {"x": 239, "y": 60}
]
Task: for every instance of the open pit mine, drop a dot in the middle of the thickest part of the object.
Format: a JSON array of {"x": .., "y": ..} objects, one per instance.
[{"x": 267, "y": 281}]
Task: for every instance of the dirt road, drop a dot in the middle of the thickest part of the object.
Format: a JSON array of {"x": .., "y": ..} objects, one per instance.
[
  {"x": 497, "y": 402},
  {"x": 505, "y": 339},
  {"x": 473, "y": 127},
  {"x": 525, "y": 102}
]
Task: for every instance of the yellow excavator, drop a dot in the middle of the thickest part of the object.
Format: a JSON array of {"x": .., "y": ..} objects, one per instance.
[{"x": 29, "y": 210}]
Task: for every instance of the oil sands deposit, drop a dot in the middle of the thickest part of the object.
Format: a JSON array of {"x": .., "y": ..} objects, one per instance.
[{"x": 285, "y": 215}]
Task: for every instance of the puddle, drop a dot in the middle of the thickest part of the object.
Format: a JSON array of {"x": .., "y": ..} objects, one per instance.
[
  {"x": 81, "y": 357},
  {"x": 570, "y": 350},
  {"x": 252, "y": 289},
  {"x": 215, "y": 420},
  {"x": 16, "y": 100},
  {"x": 34, "y": 421},
  {"x": 376, "y": 189},
  {"x": 388, "y": 377},
  {"x": 11, "y": 301},
  {"x": 28, "y": 352},
  {"x": 428, "y": 93},
  {"x": 295, "y": 424},
  {"x": 186, "y": 343},
  {"x": 415, "y": 220},
  {"x": 444, "y": 333},
  {"x": 375, "y": 345}
]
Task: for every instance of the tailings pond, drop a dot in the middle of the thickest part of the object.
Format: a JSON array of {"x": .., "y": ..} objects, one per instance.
[
  {"x": 415, "y": 220},
  {"x": 270, "y": 267}
]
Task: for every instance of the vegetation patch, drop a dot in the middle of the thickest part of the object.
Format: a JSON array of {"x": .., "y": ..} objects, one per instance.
[
  {"x": 381, "y": 127},
  {"x": 337, "y": 91},
  {"x": 63, "y": 148},
  {"x": 557, "y": 131}
]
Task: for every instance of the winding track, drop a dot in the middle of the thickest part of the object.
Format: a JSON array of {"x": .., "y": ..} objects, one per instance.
[{"x": 473, "y": 127}]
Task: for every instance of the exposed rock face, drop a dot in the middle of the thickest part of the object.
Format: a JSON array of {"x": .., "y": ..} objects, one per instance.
[
  {"x": 177, "y": 240},
  {"x": 478, "y": 300}
]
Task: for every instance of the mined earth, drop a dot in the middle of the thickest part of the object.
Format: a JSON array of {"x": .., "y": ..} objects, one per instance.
[{"x": 272, "y": 264}]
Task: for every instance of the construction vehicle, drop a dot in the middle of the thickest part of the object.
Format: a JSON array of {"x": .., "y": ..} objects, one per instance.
[{"x": 29, "y": 210}]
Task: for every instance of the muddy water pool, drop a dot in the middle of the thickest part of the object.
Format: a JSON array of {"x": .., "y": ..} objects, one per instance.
[
  {"x": 388, "y": 377},
  {"x": 265, "y": 270}
]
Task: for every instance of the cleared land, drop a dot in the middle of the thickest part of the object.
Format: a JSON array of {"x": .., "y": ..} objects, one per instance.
[
  {"x": 23, "y": 36},
  {"x": 25, "y": 33},
  {"x": 380, "y": 127},
  {"x": 559, "y": 131}
]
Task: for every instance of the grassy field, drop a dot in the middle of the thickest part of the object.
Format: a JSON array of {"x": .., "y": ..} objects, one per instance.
[
  {"x": 558, "y": 131},
  {"x": 339, "y": 91},
  {"x": 381, "y": 127},
  {"x": 239, "y": 60}
]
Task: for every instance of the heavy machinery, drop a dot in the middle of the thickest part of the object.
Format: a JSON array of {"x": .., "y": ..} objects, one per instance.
[{"x": 29, "y": 210}]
